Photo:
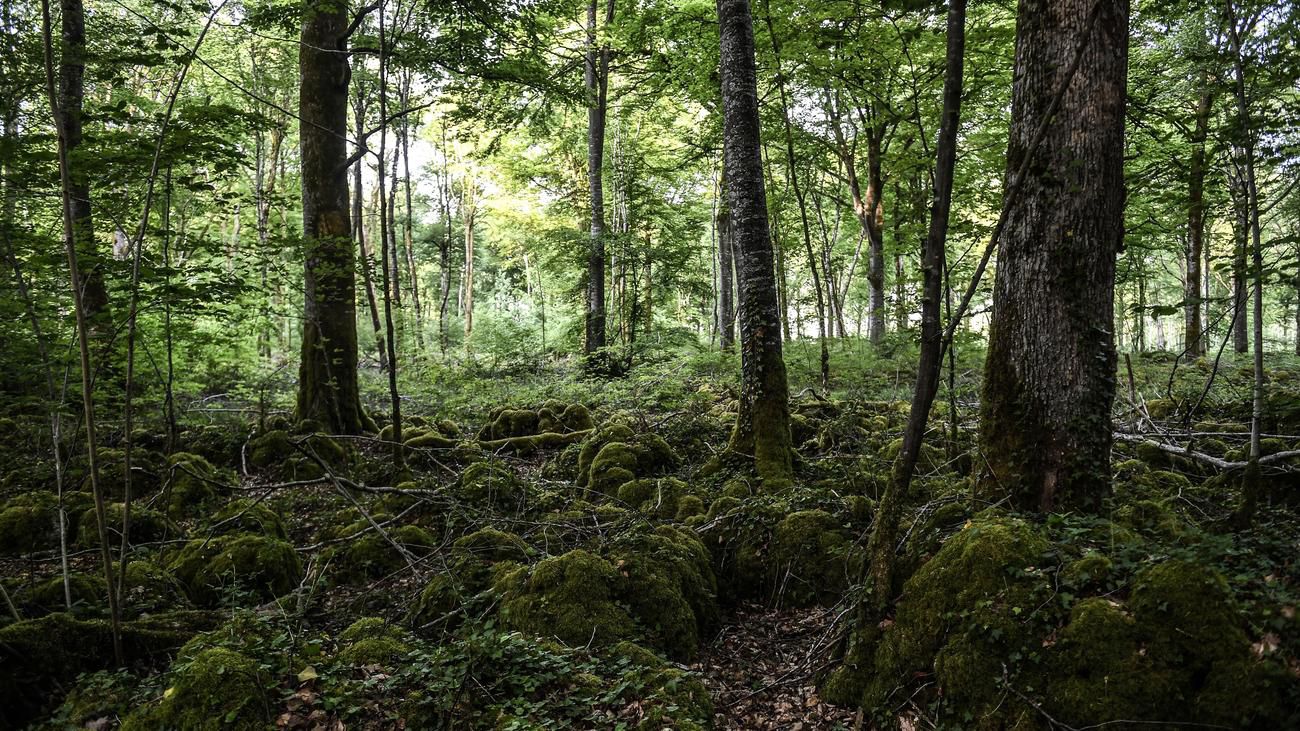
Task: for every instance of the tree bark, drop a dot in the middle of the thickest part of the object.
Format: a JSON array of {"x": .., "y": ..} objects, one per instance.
[
  {"x": 467, "y": 213},
  {"x": 871, "y": 213},
  {"x": 1192, "y": 310},
  {"x": 359, "y": 233},
  {"x": 71, "y": 94},
  {"x": 1240, "y": 246},
  {"x": 763, "y": 422},
  {"x": 327, "y": 376},
  {"x": 1049, "y": 378},
  {"x": 884, "y": 537},
  {"x": 596, "y": 78},
  {"x": 726, "y": 274}
]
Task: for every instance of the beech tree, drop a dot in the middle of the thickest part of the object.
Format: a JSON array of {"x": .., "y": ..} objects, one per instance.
[
  {"x": 327, "y": 374},
  {"x": 763, "y": 423},
  {"x": 1049, "y": 378}
]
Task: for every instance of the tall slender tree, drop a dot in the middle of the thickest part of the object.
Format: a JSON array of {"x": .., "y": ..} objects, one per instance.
[
  {"x": 596, "y": 78},
  {"x": 763, "y": 423},
  {"x": 1049, "y": 378}
]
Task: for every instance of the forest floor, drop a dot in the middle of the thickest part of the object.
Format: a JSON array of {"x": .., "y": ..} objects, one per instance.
[{"x": 762, "y": 667}]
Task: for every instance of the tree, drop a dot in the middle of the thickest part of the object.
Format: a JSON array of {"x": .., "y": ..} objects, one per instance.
[
  {"x": 763, "y": 422},
  {"x": 1049, "y": 377},
  {"x": 327, "y": 375},
  {"x": 596, "y": 78}
]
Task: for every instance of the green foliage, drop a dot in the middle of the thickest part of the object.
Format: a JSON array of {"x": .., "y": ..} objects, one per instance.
[{"x": 213, "y": 568}]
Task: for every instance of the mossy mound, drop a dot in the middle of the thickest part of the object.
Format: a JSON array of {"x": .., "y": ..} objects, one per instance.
[
  {"x": 147, "y": 469},
  {"x": 87, "y": 594},
  {"x": 960, "y": 616},
  {"x": 215, "y": 689},
  {"x": 681, "y": 700},
  {"x": 40, "y": 655},
  {"x": 670, "y": 587},
  {"x": 475, "y": 562},
  {"x": 372, "y": 556},
  {"x": 573, "y": 598},
  {"x": 152, "y": 588},
  {"x": 275, "y": 451},
  {"x": 147, "y": 526},
  {"x": 615, "y": 455},
  {"x": 553, "y": 417},
  {"x": 248, "y": 516},
  {"x": 931, "y": 459},
  {"x": 236, "y": 562},
  {"x": 28, "y": 528},
  {"x": 192, "y": 485},
  {"x": 373, "y": 641},
  {"x": 815, "y": 558},
  {"x": 492, "y": 484},
  {"x": 663, "y": 497}
]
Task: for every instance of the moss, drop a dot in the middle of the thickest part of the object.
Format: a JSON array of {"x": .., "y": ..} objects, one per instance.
[
  {"x": 191, "y": 485},
  {"x": 860, "y": 507},
  {"x": 152, "y": 588},
  {"x": 597, "y": 441},
  {"x": 814, "y": 558},
  {"x": 672, "y": 698},
  {"x": 39, "y": 655},
  {"x": 476, "y": 561},
  {"x": 1152, "y": 516},
  {"x": 660, "y": 497},
  {"x": 276, "y": 452},
  {"x": 147, "y": 526},
  {"x": 670, "y": 587},
  {"x": 529, "y": 444},
  {"x": 689, "y": 506},
  {"x": 265, "y": 566},
  {"x": 959, "y": 616},
  {"x": 216, "y": 689},
  {"x": 430, "y": 440},
  {"x": 492, "y": 484},
  {"x": 248, "y": 516},
  {"x": 48, "y": 596},
  {"x": 615, "y": 464},
  {"x": 24, "y": 529},
  {"x": 1091, "y": 570},
  {"x": 371, "y": 556},
  {"x": 573, "y": 597},
  {"x": 373, "y": 641},
  {"x": 271, "y": 449}
]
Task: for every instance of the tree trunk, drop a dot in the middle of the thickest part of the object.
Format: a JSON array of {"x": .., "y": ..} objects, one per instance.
[
  {"x": 327, "y": 377},
  {"x": 872, "y": 215},
  {"x": 467, "y": 213},
  {"x": 1240, "y": 245},
  {"x": 359, "y": 233},
  {"x": 409, "y": 227},
  {"x": 1193, "y": 327},
  {"x": 763, "y": 422},
  {"x": 726, "y": 274},
  {"x": 1049, "y": 378},
  {"x": 885, "y": 535},
  {"x": 596, "y": 77},
  {"x": 71, "y": 94}
]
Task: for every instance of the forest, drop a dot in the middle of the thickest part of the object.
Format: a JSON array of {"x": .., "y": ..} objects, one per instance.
[{"x": 649, "y": 364}]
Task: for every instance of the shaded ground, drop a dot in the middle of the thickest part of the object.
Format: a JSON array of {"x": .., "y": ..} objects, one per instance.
[{"x": 760, "y": 670}]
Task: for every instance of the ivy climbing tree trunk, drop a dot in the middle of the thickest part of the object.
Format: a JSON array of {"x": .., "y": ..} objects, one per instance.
[
  {"x": 327, "y": 376},
  {"x": 1049, "y": 378},
  {"x": 763, "y": 422}
]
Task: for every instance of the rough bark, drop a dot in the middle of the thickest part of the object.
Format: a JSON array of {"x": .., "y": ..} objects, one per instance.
[
  {"x": 871, "y": 214},
  {"x": 1049, "y": 378},
  {"x": 359, "y": 233},
  {"x": 327, "y": 376},
  {"x": 1240, "y": 245},
  {"x": 763, "y": 422}
]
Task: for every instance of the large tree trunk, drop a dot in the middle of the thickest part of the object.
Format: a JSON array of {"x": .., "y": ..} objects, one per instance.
[
  {"x": 327, "y": 376},
  {"x": 763, "y": 423},
  {"x": 596, "y": 77},
  {"x": 1193, "y": 328},
  {"x": 1049, "y": 379},
  {"x": 72, "y": 71}
]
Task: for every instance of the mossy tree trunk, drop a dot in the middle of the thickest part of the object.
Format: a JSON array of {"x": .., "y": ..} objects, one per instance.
[
  {"x": 1192, "y": 320},
  {"x": 763, "y": 423},
  {"x": 1049, "y": 378},
  {"x": 327, "y": 376},
  {"x": 726, "y": 274}
]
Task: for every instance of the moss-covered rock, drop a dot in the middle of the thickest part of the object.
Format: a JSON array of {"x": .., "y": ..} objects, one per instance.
[
  {"x": 815, "y": 558},
  {"x": 87, "y": 593},
  {"x": 248, "y": 516},
  {"x": 215, "y": 689},
  {"x": 39, "y": 655},
  {"x": 147, "y": 526},
  {"x": 960, "y": 615},
  {"x": 492, "y": 484},
  {"x": 191, "y": 486},
  {"x": 669, "y": 586},
  {"x": 475, "y": 562},
  {"x": 658, "y": 497},
  {"x": 28, "y": 528},
  {"x": 573, "y": 597},
  {"x": 931, "y": 459},
  {"x": 373, "y": 641},
  {"x": 239, "y": 562},
  {"x": 275, "y": 451},
  {"x": 372, "y": 556},
  {"x": 676, "y": 699}
]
